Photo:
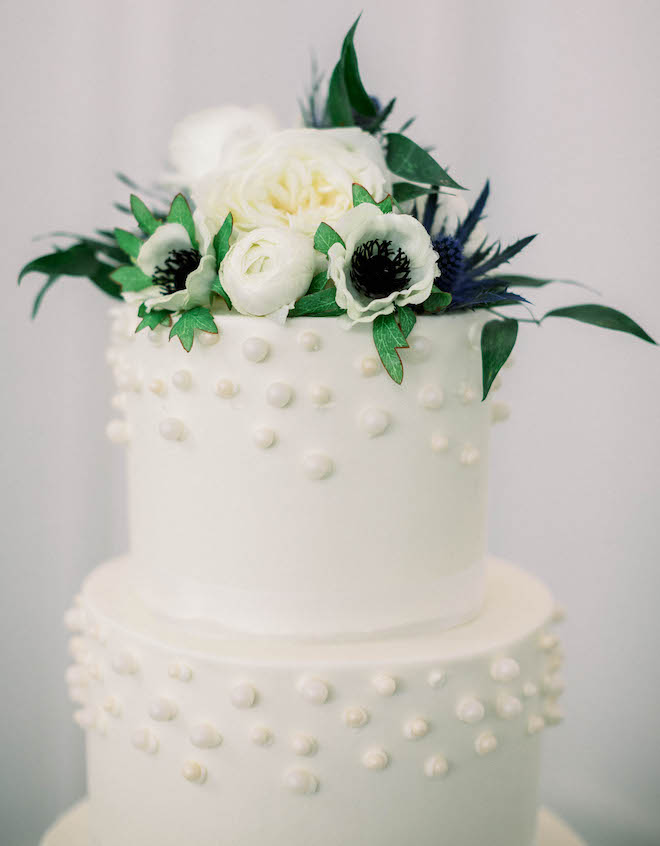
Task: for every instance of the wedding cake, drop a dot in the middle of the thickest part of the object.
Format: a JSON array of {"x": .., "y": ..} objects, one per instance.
[{"x": 307, "y": 641}]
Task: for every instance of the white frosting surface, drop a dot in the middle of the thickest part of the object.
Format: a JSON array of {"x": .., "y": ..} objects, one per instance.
[{"x": 281, "y": 483}]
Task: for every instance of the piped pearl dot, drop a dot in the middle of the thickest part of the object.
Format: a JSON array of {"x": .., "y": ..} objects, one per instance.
[
  {"x": 470, "y": 710},
  {"x": 384, "y": 684},
  {"x": 243, "y": 695},
  {"x": 171, "y": 429},
  {"x": 157, "y": 386},
  {"x": 225, "y": 388},
  {"x": 369, "y": 366},
  {"x": 74, "y": 620},
  {"x": 469, "y": 455},
  {"x": 77, "y": 675},
  {"x": 436, "y": 678},
  {"x": 155, "y": 337},
  {"x": 485, "y": 743},
  {"x": 162, "y": 710},
  {"x": 317, "y": 465},
  {"x": 124, "y": 663},
  {"x": 208, "y": 339},
  {"x": 499, "y": 412},
  {"x": 376, "y": 758},
  {"x": 508, "y": 707},
  {"x": 205, "y": 736},
  {"x": 320, "y": 395},
  {"x": 111, "y": 706},
  {"x": 85, "y": 718},
  {"x": 553, "y": 684},
  {"x": 552, "y": 713},
  {"x": 78, "y": 649},
  {"x": 194, "y": 772},
  {"x": 548, "y": 642},
  {"x": 180, "y": 671},
  {"x": 439, "y": 442},
  {"x": 504, "y": 669},
  {"x": 255, "y": 349},
  {"x": 145, "y": 740},
  {"x": 535, "y": 724},
  {"x": 530, "y": 689},
  {"x": 264, "y": 437},
  {"x": 309, "y": 341},
  {"x": 261, "y": 735},
  {"x": 127, "y": 380},
  {"x": 119, "y": 402},
  {"x": 304, "y": 745},
  {"x": 555, "y": 660},
  {"x": 314, "y": 690},
  {"x": 118, "y": 432},
  {"x": 419, "y": 348},
  {"x": 95, "y": 671},
  {"x": 497, "y": 383},
  {"x": 78, "y": 695},
  {"x": 374, "y": 421},
  {"x": 436, "y": 766},
  {"x": 301, "y": 781},
  {"x": 416, "y": 728},
  {"x": 466, "y": 394},
  {"x": 431, "y": 397},
  {"x": 355, "y": 716},
  {"x": 182, "y": 380},
  {"x": 279, "y": 394},
  {"x": 510, "y": 362}
]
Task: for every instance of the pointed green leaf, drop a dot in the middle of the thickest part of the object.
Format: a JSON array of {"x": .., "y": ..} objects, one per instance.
[
  {"x": 405, "y": 191},
  {"x": 197, "y": 318},
  {"x": 512, "y": 280},
  {"x": 386, "y": 205},
  {"x": 217, "y": 288},
  {"x": 357, "y": 95},
  {"x": 221, "y": 239},
  {"x": 498, "y": 339},
  {"x": 128, "y": 242},
  {"x": 603, "y": 316},
  {"x": 78, "y": 260},
  {"x": 318, "y": 283},
  {"x": 37, "y": 300},
  {"x": 320, "y": 304},
  {"x": 388, "y": 339},
  {"x": 437, "y": 301},
  {"x": 145, "y": 219},
  {"x": 152, "y": 319},
  {"x": 180, "y": 213},
  {"x": 407, "y": 319},
  {"x": 339, "y": 105},
  {"x": 361, "y": 195},
  {"x": 131, "y": 278},
  {"x": 325, "y": 237},
  {"x": 410, "y": 161}
]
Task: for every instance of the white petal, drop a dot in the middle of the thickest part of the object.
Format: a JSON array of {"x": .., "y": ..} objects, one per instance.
[{"x": 154, "y": 251}]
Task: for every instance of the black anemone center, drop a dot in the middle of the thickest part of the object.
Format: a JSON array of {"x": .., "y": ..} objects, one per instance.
[
  {"x": 172, "y": 274},
  {"x": 377, "y": 271}
]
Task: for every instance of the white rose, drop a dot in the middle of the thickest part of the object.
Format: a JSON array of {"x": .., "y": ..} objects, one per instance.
[
  {"x": 209, "y": 139},
  {"x": 295, "y": 179},
  {"x": 387, "y": 260},
  {"x": 267, "y": 270}
]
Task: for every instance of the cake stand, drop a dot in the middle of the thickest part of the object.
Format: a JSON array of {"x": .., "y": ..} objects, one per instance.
[{"x": 71, "y": 830}]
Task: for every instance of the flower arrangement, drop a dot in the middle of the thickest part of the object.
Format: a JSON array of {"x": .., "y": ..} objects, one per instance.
[{"x": 341, "y": 218}]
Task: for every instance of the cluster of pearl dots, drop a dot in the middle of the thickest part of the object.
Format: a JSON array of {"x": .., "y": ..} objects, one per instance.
[
  {"x": 373, "y": 421},
  {"x": 468, "y": 709}
]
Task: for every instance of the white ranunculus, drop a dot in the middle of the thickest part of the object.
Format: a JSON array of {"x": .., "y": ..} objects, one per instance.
[
  {"x": 267, "y": 270},
  {"x": 295, "y": 179},
  {"x": 209, "y": 139},
  {"x": 366, "y": 223},
  {"x": 452, "y": 210},
  {"x": 182, "y": 275}
]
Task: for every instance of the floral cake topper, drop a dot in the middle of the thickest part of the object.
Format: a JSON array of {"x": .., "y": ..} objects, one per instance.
[{"x": 340, "y": 219}]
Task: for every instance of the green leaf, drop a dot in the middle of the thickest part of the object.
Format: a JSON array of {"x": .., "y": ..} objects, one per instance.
[
  {"x": 197, "y": 318},
  {"x": 78, "y": 260},
  {"x": 385, "y": 205},
  {"x": 320, "y": 304},
  {"x": 325, "y": 237},
  {"x": 37, "y": 300},
  {"x": 131, "y": 278},
  {"x": 217, "y": 288},
  {"x": 361, "y": 195},
  {"x": 388, "y": 339},
  {"x": 498, "y": 339},
  {"x": 437, "y": 301},
  {"x": 603, "y": 316},
  {"x": 512, "y": 280},
  {"x": 405, "y": 191},
  {"x": 410, "y": 161},
  {"x": 339, "y": 105},
  {"x": 102, "y": 278},
  {"x": 128, "y": 242},
  {"x": 145, "y": 220},
  {"x": 180, "y": 213},
  {"x": 318, "y": 283},
  {"x": 407, "y": 319},
  {"x": 152, "y": 319},
  {"x": 357, "y": 95},
  {"x": 221, "y": 239}
]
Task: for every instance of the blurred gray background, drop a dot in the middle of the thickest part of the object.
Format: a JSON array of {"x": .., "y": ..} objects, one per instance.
[{"x": 557, "y": 102}]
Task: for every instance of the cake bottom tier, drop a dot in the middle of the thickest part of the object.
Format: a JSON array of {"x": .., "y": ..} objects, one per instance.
[{"x": 430, "y": 738}]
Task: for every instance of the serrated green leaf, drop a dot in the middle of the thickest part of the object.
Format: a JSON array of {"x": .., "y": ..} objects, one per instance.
[
  {"x": 221, "y": 239},
  {"x": 153, "y": 319},
  {"x": 603, "y": 316},
  {"x": 437, "y": 301},
  {"x": 217, "y": 288},
  {"x": 128, "y": 242},
  {"x": 361, "y": 195},
  {"x": 130, "y": 278},
  {"x": 403, "y": 192},
  {"x": 325, "y": 237},
  {"x": 318, "y": 283},
  {"x": 386, "y": 205},
  {"x": 407, "y": 319},
  {"x": 145, "y": 219},
  {"x": 320, "y": 304},
  {"x": 197, "y": 318},
  {"x": 498, "y": 339},
  {"x": 410, "y": 161},
  {"x": 388, "y": 339},
  {"x": 180, "y": 213}
]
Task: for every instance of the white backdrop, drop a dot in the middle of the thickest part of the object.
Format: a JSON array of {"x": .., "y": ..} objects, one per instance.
[{"x": 558, "y": 103}]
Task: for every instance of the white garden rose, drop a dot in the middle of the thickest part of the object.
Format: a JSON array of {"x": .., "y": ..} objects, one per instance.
[
  {"x": 206, "y": 140},
  {"x": 267, "y": 270},
  {"x": 295, "y": 179},
  {"x": 387, "y": 260}
]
